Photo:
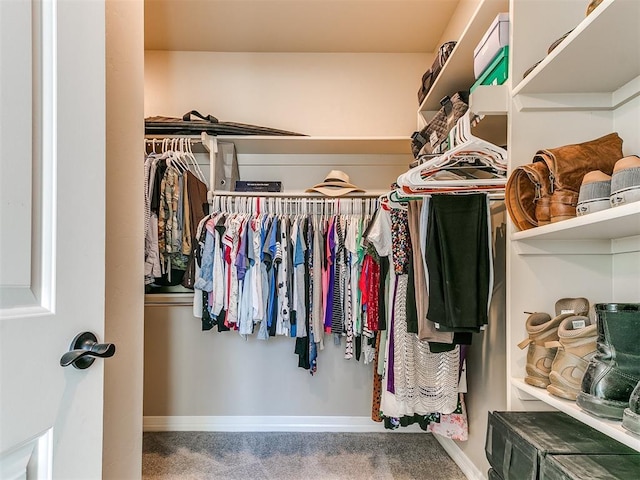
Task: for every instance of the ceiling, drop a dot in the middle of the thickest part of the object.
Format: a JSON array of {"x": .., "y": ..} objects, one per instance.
[{"x": 360, "y": 26}]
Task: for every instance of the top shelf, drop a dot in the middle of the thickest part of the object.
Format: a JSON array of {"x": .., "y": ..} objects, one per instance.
[
  {"x": 457, "y": 73},
  {"x": 258, "y": 144},
  {"x": 600, "y": 56},
  {"x": 250, "y": 144}
]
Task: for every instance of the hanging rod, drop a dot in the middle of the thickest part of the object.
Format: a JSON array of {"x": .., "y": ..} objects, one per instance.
[
  {"x": 158, "y": 141},
  {"x": 193, "y": 138},
  {"x": 298, "y": 194}
]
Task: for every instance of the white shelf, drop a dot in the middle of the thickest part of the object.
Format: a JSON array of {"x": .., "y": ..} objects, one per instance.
[
  {"x": 301, "y": 145},
  {"x": 315, "y": 196},
  {"x": 614, "y": 230},
  {"x": 253, "y": 144},
  {"x": 598, "y": 64},
  {"x": 610, "y": 428},
  {"x": 489, "y": 100},
  {"x": 457, "y": 73},
  {"x": 164, "y": 299}
]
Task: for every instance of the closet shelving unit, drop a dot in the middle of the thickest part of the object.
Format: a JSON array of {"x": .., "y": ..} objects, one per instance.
[
  {"x": 319, "y": 145},
  {"x": 587, "y": 87},
  {"x": 306, "y": 145},
  {"x": 393, "y": 146},
  {"x": 491, "y": 102},
  {"x": 457, "y": 73}
]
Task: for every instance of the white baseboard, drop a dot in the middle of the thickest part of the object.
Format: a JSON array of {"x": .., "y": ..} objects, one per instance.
[
  {"x": 458, "y": 456},
  {"x": 265, "y": 424}
]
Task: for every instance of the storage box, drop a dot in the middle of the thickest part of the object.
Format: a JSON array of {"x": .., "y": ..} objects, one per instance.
[
  {"x": 593, "y": 467},
  {"x": 497, "y": 72},
  {"x": 496, "y": 38},
  {"x": 257, "y": 186},
  {"x": 517, "y": 442}
]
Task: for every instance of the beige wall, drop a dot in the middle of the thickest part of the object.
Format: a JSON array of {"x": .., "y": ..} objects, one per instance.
[
  {"x": 122, "y": 457},
  {"x": 195, "y": 373},
  {"x": 323, "y": 94},
  {"x": 487, "y": 363},
  {"x": 459, "y": 20}
]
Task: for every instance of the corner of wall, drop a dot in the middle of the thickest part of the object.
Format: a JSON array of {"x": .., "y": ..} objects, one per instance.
[{"x": 124, "y": 294}]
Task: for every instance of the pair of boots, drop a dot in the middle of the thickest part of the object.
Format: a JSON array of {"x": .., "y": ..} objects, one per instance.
[
  {"x": 600, "y": 191},
  {"x": 560, "y": 348},
  {"x": 611, "y": 384}
]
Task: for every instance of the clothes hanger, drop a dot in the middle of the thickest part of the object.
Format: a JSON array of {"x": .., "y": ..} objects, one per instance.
[
  {"x": 196, "y": 166},
  {"x": 466, "y": 146}
]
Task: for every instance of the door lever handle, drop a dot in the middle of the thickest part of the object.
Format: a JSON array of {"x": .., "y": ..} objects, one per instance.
[{"x": 84, "y": 349}]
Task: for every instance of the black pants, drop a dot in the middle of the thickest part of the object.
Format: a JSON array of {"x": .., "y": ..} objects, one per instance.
[{"x": 458, "y": 259}]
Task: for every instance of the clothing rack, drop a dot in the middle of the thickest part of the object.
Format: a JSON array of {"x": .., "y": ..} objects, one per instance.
[{"x": 292, "y": 204}]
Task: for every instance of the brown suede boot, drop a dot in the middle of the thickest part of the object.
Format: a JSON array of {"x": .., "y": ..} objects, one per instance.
[
  {"x": 576, "y": 346},
  {"x": 542, "y": 329}
]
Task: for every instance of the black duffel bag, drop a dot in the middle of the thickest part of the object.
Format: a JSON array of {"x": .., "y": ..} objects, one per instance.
[
  {"x": 429, "y": 77},
  {"x": 210, "y": 124}
]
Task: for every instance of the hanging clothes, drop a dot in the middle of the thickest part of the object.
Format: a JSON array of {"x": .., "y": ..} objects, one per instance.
[
  {"x": 459, "y": 262},
  {"x": 175, "y": 201},
  {"x": 259, "y": 271}
]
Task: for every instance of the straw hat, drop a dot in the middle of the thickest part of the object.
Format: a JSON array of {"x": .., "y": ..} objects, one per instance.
[{"x": 335, "y": 184}]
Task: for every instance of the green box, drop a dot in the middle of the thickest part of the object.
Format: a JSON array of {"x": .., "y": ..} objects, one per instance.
[{"x": 497, "y": 72}]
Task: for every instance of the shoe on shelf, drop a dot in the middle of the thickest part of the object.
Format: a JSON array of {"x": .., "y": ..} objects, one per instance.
[
  {"x": 614, "y": 372},
  {"x": 541, "y": 328},
  {"x": 625, "y": 181},
  {"x": 594, "y": 193},
  {"x": 576, "y": 345},
  {"x": 631, "y": 417}
]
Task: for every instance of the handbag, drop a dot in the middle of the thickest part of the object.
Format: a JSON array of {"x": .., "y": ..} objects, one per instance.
[
  {"x": 429, "y": 77},
  {"x": 433, "y": 138},
  {"x": 546, "y": 191}
]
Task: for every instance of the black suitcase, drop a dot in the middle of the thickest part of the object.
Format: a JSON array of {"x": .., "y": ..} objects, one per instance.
[
  {"x": 493, "y": 475},
  {"x": 210, "y": 124},
  {"x": 593, "y": 467},
  {"x": 517, "y": 442}
]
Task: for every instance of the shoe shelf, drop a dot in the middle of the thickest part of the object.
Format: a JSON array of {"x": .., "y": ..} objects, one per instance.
[
  {"x": 611, "y": 428},
  {"x": 611, "y": 231},
  {"x": 597, "y": 66}
]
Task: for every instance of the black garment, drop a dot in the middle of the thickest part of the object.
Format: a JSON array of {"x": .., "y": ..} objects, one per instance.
[
  {"x": 207, "y": 321},
  {"x": 161, "y": 168},
  {"x": 410, "y": 300},
  {"x": 458, "y": 261},
  {"x": 220, "y": 321},
  {"x": 459, "y": 338}
]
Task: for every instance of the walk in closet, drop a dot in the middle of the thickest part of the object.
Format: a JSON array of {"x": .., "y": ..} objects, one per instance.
[{"x": 357, "y": 106}]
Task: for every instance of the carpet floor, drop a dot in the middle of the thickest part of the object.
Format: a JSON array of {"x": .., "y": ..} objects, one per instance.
[{"x": 292, "y": 456}]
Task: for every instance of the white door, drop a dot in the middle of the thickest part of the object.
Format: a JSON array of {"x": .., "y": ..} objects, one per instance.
[{"x": 52, "y": 215}]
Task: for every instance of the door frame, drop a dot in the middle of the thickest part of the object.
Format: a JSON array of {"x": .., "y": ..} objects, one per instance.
[{"x": 124, "y": 285}]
